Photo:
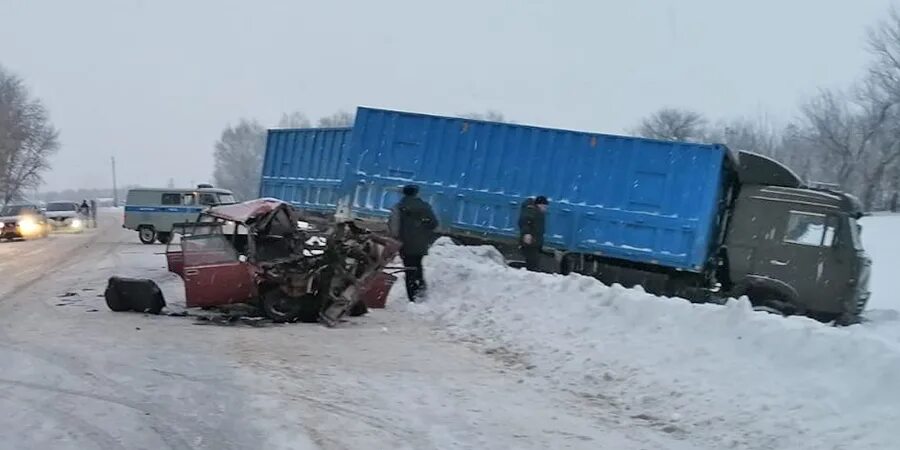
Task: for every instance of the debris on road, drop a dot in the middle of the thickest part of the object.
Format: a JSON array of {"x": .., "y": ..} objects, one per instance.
[{"x": 134, "y": 294}]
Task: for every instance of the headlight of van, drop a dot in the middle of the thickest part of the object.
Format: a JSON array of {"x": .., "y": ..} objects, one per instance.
[{"x": 76, "y": 223}]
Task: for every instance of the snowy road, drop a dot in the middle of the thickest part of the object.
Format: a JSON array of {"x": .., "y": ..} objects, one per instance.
[{"x": 75, "y": 375}]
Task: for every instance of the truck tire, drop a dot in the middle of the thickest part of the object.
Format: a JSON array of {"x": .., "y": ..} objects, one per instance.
[
  {"x": 147, "y": 234},
  {"x": 163, "y": 237}
]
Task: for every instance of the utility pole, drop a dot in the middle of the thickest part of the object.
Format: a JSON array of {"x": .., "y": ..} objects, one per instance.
[{"x": 115, "y": 189}]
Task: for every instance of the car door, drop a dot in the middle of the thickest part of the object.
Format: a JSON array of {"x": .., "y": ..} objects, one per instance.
[
  {"x": 175, "y": 256},
  {"x": 798, "y": 258},
  {"x": 212, "y": 273}
]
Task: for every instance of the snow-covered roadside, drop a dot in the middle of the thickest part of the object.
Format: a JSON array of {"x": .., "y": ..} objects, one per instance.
[
  {"x": 881, "y": 239},
  {"x": 721, "y": 376}
]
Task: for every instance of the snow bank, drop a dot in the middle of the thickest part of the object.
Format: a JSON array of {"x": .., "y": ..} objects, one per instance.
[
  {"x": 723, "y": 376},
  {"x": 881, "y": 239}
]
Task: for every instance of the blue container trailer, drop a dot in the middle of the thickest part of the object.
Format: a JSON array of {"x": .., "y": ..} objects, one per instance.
[
  {"x": 306, "y": 167},
  {"x": 694, "y": 220}
]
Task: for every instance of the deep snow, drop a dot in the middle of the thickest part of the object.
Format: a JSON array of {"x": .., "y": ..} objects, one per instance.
[
  {"x": 716, "y": 376},
  {"x": 881, "y": 239}
]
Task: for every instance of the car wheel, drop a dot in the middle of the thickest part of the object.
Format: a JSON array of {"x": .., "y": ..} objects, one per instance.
[
  {"x": 358, "y": 309},
  {"x": 147, "y": 234},
  {"x": 163, "y": 238},
  {"x": 280, "y": 307}
]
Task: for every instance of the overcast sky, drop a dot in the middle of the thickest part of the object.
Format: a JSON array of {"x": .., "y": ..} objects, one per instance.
[{"x": 153, "y": 82}]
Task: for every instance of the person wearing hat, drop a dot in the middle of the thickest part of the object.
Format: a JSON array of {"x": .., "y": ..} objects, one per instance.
[
  {"x": 412, "y": 222},
  {"x": 531, "y": 230}
]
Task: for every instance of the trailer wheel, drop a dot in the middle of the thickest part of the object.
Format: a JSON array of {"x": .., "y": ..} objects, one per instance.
[
  {"x": 147, "y": 234},
  {"x": 163, "y": 237}
]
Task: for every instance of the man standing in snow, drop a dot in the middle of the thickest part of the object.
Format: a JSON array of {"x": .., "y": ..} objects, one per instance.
[
  {"x": 413, "y": 222},
  {"x": 531, "y": 230}
]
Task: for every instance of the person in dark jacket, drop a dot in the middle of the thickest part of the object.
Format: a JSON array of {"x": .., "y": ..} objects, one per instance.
[
  {"x": 413, "y": 222},
  {"x": 531, "y": 230}
]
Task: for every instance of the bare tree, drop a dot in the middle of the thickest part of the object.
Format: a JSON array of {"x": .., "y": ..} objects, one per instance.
[
  {"x": 27, "y": 138},
  {"x": 295, "y": 119},
  {"x": 238, "y": 158},
  {"x": 489, "y": 115},
  {"x": 673, "y": 124},
  {"x": 758, "y": 135},
  {"x": 881, "y": 92},
  {"x": 340, "y": 119}
]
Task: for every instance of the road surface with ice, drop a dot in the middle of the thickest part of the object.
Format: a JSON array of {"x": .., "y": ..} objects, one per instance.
[
  {"x": 75, "y": 375},
  {"x": 497, "y": 358}
]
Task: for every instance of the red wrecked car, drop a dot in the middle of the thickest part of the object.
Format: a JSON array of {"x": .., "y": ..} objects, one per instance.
[{"x": 264, "y": 252}]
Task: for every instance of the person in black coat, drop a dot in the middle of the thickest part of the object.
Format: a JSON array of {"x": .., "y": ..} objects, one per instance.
[
  {"x": 413, "y": 222},
  {"x": 531, "y": 230}
]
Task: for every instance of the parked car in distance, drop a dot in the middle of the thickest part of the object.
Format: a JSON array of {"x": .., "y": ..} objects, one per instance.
[
  {"x": 23, "y": 221},
  {"x": 63, "y": 216}
]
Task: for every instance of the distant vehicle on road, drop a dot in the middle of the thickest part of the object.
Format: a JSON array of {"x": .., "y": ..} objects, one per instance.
[
  {"x": 63, "y": 216},
  {"x": 23, "y": 221},
  {"x": 152, "y": 211}
]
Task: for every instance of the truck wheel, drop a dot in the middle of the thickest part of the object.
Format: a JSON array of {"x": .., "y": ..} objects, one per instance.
[
  {"x": 847, "y": 319},
  {"x": 163, "y": 238},
  {"x": 147, "y": 234},
  {"x": 280, "y": 307}
]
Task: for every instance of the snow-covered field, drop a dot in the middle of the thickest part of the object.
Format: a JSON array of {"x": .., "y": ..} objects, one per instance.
[{"x": 713, "y": 376}]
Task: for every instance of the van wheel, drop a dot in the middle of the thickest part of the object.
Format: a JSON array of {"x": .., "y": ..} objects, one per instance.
[
  {"x": 163, "y": 238},
  {"x": 147, "y": 234}
]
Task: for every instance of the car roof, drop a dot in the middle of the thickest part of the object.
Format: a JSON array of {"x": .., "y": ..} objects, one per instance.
[{"x": 242, "y": 212}]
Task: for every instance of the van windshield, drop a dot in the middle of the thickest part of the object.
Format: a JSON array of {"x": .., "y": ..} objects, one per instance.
[
  {"x": 227, "y": 199},
  {"x": 15, "y": 210},
  {"x": 61, "y": 207}
]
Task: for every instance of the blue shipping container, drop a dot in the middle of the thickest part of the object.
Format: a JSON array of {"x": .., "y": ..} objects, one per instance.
[
  {"x": 622, "y": 197},
  {"x": 306, "y": 166}
]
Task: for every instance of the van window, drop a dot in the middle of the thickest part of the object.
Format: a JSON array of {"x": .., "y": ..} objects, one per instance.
[
  {"x": 171, "y": 199},
  {"x": 188, "y": 199},
  {"x": 809, "y": 229},
  {"x": 227, "y": 199},
  {"x": 207, "y": 199}
]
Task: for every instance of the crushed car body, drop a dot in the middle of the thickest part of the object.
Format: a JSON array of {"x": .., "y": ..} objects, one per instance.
[{"x": 295, "y": 268}]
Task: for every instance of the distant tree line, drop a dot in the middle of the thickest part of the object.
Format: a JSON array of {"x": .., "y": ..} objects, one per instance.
[
  {"x": 849, "y": 137},
  {"x": 239, "y": 152},
  {"x": 78, "y": 195},
  {"x": 27, "y": 138},
  {"x": 240, "y": 149}
]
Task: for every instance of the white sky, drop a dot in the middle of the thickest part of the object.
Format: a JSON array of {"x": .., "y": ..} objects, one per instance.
[{"x": 153, "y": 82}]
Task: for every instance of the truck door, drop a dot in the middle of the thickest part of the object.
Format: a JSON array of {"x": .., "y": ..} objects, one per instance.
[
  {"x": 799, "y": 253},
  {"x": 213, "y": 275}
]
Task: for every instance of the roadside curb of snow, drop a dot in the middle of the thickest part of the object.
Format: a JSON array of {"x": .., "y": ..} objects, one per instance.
[{"x": 734, "y": 375}]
